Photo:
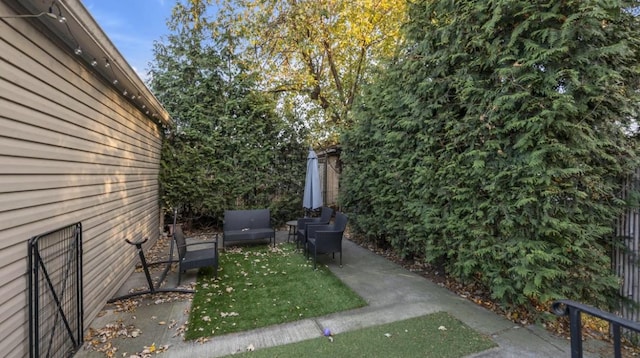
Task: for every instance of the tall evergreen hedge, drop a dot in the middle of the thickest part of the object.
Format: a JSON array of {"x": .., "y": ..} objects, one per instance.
[
  {"x": 496, "y": 143},
  {"x": 230, "y": 148}
]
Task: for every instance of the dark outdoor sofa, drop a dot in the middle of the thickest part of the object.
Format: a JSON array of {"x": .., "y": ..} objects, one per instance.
[{"x": 247, "y": 225}]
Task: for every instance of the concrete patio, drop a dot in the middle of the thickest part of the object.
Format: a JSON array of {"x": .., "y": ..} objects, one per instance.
[{"x": 392, "y": 293}]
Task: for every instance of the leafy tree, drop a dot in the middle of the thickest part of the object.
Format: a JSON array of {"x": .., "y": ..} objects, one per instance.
[
  {"x": 496, "y": 143},
  {"x": 229, "y": 148},
  {"x": 318, "y": 50}
]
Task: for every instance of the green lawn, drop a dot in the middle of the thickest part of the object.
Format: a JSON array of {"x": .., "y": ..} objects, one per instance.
[
  {"x": 260, "y": 286},
  {"x": 438, "y": 335}
]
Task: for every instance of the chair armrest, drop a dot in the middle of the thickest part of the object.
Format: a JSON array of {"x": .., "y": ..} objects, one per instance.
[
  {"x": 209, "y": 242},
  {"x": 327, "y": 241},
  {"x": 312, "y": 229},
  {"x": 328, "y": 235},
  {"x": 204, "y": 242},
  {"x": 216, "y": 234}
]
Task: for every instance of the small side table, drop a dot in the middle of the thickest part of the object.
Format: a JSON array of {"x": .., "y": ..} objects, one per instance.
[{"x": 293, "y": 224}]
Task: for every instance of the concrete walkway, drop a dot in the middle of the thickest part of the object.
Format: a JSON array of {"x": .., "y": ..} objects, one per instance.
[{"x": 392, "y": 293}]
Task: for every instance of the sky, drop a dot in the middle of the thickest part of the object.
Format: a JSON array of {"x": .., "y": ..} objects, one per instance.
[{"x": 133, "y": 26}]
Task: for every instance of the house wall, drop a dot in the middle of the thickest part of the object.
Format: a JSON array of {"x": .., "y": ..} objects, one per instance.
[{"x": 71, "y": 149}]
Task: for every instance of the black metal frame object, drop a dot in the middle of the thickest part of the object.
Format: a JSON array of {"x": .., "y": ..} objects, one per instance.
[
  {"x": 55, "y": 292},
  {"x": 145, "y": 267},
  {"x": 575, "y": 309}
]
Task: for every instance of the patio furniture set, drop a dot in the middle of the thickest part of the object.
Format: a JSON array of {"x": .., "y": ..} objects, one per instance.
[
  {"x": 315, "y": 235},
  {"x": 319, "y": 235}
]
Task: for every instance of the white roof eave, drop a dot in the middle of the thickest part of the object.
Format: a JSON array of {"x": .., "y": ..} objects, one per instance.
[{"x": 80, "y": 30}]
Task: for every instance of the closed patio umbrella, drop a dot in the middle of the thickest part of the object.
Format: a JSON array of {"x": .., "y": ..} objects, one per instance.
[{"x": 312, "y": 198}]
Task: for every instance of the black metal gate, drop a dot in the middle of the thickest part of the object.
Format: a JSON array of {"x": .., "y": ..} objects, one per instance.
[{"x": 55, "y": 292}]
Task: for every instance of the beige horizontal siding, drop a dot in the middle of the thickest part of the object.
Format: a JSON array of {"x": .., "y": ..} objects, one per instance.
[
  {"x": 56, "y": 115},
  {"x": 38, "y": 212},
  {"x": 11, "y": 183},
  {"x": 111, "y": 251},
  {"x": 13, "y": 301},
  {"x": 64, "y": 82},
  {"x": 121, "y": 185},
  {"x": 11, "y": 127},
  {"x": 71, "y": 149},
  {"x": 16, "y": 265},
  {"x": 28, "y": 165}
]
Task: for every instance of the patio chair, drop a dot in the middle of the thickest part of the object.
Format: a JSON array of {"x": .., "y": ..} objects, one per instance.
[
  {"x": 326, "y": 238},
  {"x": 189, "y": 258},
  {"x": 323, "y": 219}
]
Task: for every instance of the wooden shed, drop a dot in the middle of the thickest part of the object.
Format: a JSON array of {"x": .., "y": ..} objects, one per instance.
[
  {"x": 80, "y": 140},
  {"x": 330, "y": 168}
]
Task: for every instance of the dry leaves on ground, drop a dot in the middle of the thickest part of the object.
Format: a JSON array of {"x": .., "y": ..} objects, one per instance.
[
  {"x": 592, "y": 327},
  {"x": 100, "y": 340}
]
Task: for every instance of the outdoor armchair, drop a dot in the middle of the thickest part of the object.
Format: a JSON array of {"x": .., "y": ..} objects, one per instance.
[
  {"x": 326, "y": 238},
  {"x": 301, "y": 236},
  {"x": 190, "y": 258}
]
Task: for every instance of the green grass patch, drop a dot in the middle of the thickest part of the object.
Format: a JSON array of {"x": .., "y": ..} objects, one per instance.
[
  {"x": 260, "y": 286},
  {"x": 437, "y": 335}
]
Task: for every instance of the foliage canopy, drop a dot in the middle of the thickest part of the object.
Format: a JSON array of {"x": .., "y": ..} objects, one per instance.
[
  {"x": 318, "y": 52},
  {"x": 229, "y": 148}
]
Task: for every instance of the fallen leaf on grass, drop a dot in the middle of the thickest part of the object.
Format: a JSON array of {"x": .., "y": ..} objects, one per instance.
[{"x": 228, "y": 314}]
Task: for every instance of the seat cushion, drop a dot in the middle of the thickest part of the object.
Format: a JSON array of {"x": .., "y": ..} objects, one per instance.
[
  {"x": 199, "y": 258},
  {"x": 251, "y": 234}
]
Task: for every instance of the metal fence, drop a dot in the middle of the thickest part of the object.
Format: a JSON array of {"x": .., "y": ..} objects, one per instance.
[
  {"x": 626, "y": 250},
  {"x": 55, "y": 292},
  {"x": 575, "y": 310}
]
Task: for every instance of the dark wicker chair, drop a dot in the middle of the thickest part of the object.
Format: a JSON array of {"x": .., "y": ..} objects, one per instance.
[
  {"x": 301, "y": 236},
  {"x": 189, "y": 258},
  {"x": 326, "y": 238}
]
